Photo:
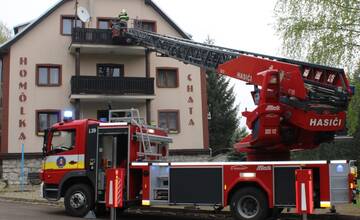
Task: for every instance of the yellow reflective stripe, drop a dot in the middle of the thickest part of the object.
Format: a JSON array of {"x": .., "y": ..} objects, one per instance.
[
  {"x": 54, "y": 166},
  {"x": 81, "y": 165},
  {"x": 52, "y": 162}
]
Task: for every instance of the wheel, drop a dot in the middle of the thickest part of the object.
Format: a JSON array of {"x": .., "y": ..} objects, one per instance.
[
  {"x": 78, "y": 200},
  {"x": 249, "y": 203}
]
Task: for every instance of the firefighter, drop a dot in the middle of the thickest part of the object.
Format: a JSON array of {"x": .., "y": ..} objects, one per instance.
[
  {"x": 120, "y": 25},
  {"x": 123, "y": 16}
]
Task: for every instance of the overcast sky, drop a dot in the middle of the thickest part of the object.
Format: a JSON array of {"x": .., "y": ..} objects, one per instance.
[{"x": 239, "y": 24}]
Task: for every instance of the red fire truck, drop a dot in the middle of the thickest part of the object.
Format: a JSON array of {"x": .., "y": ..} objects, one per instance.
[{"x": 123, "y": 162}]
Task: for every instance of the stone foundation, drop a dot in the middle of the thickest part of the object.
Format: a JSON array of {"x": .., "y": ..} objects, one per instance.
[
  {"x": 188, "y": 158},
  {"x": 11, "y": 166},
  {"x": 11, "y": 169},
  {"x": 191, "y": 155}
]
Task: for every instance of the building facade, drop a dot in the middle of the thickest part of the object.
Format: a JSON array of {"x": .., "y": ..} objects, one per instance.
[{"x": 49, "y": 67}]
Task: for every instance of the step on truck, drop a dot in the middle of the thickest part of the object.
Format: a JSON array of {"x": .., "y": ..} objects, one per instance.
[{"x": 124, "y": 162}]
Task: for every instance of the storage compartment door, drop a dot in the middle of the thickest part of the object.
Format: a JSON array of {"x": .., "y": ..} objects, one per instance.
[
  {"x": 284, "y": 186},
  {"x": 196, "y": 185}
]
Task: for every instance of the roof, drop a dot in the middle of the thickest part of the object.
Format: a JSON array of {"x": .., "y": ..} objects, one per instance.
[
  {"x": 5, "y": 46},
  {"x": 167, "y": 18}
]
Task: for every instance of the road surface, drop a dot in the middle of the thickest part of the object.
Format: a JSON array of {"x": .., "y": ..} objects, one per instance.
[{"x": 21, "y": 211}]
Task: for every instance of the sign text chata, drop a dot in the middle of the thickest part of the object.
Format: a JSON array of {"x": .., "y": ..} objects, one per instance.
[{"x": 190, "y": 100}]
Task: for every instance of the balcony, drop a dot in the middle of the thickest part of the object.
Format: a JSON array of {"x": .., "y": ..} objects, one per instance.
[
  {"x": 99, "y": 41},
  {"x": 92, "y": 36},
  {"x": 95, "y": 87}
]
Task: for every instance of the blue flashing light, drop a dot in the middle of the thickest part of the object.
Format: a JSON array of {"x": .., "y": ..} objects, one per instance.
[{"x": 68, "y": 116}]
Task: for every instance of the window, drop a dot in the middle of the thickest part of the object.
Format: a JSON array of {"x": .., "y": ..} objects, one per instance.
[
  {"x": 105, "y": 23},
  {"x": 110, "y": 70},
  {"x": 169, "y": 120},
  {"x": 68, "y": 23},
  {"x": 167, "y": 77},
  {"x": 63, "y": 140},
  {"x": 146, "y": 25},
  {"x": 45, "y": 119},
  {"x": 48, "y": 75}
]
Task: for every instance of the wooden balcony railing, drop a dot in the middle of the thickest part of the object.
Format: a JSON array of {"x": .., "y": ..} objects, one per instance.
[
  {"x": 112, "y": 85},
  {"x": 92, "y": 36}
]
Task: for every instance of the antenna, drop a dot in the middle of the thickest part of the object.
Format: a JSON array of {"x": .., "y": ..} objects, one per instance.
[{"x": 83, "y": 14}]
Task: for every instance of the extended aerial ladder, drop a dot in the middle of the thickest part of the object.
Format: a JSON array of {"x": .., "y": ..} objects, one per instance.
[{"x": 299, "y": 105}]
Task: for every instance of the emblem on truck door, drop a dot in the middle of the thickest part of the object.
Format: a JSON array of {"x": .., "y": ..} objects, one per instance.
[{"x": 60, "y": 162}]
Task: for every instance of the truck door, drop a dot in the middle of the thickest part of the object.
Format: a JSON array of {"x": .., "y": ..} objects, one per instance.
[
  {"x": 112, "y": 152},
  {"x": 63, "y": 155}
]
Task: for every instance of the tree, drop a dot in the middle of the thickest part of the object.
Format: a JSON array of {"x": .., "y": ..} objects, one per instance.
[
  {"x": 5, "y": 33},
  {"x": 321, "y": 31},
  {"x": 239, "y": 134},
  {"x": 224, "y": 128},
  {"x": 223, "y": 120},
  {"x": 353, "y": 116},
  {"x": 325, "y": 32}
]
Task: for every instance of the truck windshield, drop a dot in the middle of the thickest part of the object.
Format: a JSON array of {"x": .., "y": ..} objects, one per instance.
[{"x": 62, "y": 141}]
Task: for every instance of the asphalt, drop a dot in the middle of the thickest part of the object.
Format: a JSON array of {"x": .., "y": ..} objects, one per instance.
[
  {"x": 16, "y": 210},
  {"x": 15, "y": 205}
]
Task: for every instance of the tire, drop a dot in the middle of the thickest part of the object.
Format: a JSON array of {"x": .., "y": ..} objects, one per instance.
[
  {"x": 249, "y": 203},
  {"x": 79, "y": 200}
]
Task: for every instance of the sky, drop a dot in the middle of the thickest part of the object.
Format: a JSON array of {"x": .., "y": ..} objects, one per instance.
[{"x": 238, "y": 24}]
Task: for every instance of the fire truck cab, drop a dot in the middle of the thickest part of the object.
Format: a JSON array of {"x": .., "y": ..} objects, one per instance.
[{"x": 79, "y": 155}]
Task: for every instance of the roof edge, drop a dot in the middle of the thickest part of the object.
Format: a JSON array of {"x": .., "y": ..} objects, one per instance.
[
  {"x": 167, "y": 18},
  {"x": 5, "y": 46}
]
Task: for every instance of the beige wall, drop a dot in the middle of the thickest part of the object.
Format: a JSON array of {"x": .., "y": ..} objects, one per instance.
[
  {"x": 134, "y": 66},
  {"x": 44, "y": 44},
  {"x": 89, "y": 109},
  {"x": 189, "y": 136}
]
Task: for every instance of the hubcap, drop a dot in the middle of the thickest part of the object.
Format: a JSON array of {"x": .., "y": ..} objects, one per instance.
[
  {"x": 77, "y": 200},
  {"x": 248, "y": 206}
]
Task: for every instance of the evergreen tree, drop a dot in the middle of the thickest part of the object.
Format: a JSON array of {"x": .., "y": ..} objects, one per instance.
[
  {"x": 239, "y": 134},
  {"x": 223, "y": 120}
]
